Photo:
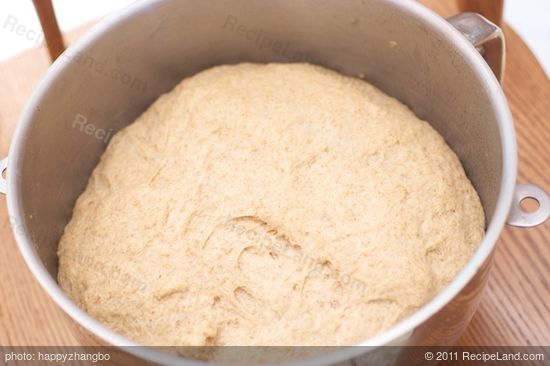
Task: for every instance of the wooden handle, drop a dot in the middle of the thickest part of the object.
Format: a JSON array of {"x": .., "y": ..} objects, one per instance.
[
  {"x": 52, "y": 34},
  {"x": 490, "y": 9}
]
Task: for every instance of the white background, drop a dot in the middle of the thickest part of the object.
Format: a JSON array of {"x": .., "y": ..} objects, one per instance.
[{"x": 530, "y": 18}]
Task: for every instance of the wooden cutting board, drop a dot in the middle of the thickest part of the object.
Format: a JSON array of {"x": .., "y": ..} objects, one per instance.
[{"x": 515, "y": 309}]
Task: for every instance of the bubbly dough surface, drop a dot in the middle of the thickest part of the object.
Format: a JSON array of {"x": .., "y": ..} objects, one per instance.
[{"x": 278, "y": 204}]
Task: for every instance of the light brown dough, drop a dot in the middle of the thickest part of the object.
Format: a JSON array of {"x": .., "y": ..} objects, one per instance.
[{"x": 278, "y": 204}]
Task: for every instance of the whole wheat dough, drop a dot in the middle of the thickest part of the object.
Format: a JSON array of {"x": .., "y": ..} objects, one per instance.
[{"x": 278, "y": 204}]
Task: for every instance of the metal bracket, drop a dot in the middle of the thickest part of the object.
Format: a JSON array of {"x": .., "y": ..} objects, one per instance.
[
  {"x": 518, "y": 217},
  {"x": 485, "y": 36},
  {"x": 3, "y": 181}
]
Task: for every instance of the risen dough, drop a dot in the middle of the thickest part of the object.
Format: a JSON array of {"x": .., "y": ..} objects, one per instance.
[{"x": 279, "y": 204}]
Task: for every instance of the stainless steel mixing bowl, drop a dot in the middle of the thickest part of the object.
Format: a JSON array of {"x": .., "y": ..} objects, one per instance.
[{"x": 112, "y": 74}]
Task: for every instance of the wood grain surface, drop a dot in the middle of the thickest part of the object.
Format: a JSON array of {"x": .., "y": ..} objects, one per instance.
[
  {"x": 490, "y": 9},
  {"x": 515, "y": 309}
]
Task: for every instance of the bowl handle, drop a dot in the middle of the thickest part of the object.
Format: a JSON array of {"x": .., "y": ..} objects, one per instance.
[
  {"x": 3, "y": 181},
  {"x": 485, "y": 36}
]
